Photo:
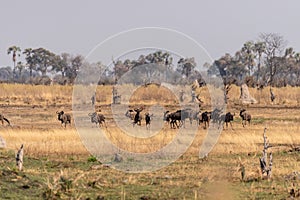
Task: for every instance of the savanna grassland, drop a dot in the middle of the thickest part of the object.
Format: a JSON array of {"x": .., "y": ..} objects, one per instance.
[{"x": 58, "y": 166}]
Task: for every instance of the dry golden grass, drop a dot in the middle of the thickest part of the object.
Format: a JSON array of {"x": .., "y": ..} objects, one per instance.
[
  {"x": 52, "y": 142},
  {"x": 18, "y": 94},
  {"x": 284, "y": 129},
  {"x": 43, "y": 136}
]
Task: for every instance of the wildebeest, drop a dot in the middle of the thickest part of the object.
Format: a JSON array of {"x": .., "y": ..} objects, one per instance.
[
  {"x": 179, "y": 115},
  {"x": 148, "y": 120},
  {"x": 227, "y": 118},
  {"x": 171, "y": 118},
  {"x": 2, "y": 119},
  {"x": 137, "y": 117},
  {"x": 194, "y": 115},
  {"x": 245, "y": 117},
  {"x": 64, "y": 118},
  {"x": 205, "y": 118},
  {"x": 97, "y": 118}
]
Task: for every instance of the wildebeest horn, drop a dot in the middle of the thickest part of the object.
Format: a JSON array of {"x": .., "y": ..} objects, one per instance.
[{"x": 57, "y": 112}]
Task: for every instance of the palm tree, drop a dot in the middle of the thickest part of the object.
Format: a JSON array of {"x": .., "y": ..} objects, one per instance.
[
  {"x": 14, "y": 50},
  {"x": 248, "y": 55}
]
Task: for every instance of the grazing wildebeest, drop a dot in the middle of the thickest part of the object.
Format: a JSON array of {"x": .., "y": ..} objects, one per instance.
[
  {"x": 179, "y": 115},
  {"x": 2, "y": 119},
  {"x": 171, "y": 118},
  {"x": 148, "y": 120},
  {"x": 97, "y": 118},
  {"x": 245, "y": 117},
  {"x": 64, "y": 118}
]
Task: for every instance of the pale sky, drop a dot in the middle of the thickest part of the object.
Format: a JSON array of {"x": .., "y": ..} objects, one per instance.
[{"x": 77, "y": 27}]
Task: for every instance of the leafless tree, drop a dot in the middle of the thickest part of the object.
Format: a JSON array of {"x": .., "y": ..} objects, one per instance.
[
  {"x": 263, "y": 160},
  {"x": 19, "y": 158},
  {"x": 274, "y": 46}
]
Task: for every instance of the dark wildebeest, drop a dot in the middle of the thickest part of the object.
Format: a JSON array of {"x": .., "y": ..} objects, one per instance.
[
  {"x": 137, "y": 117},
  {"x": 148, "y": 120},
  {"x": 227, "y": 118},
  {"x": 97, "y": 118},
  {"x": 2, "y": 119},
  {"x": 204, "y": 118},
  {"x": 64, "y": 118},
  {"x": 179, "y": 115},
  {"x": 167, "y": 117},
  {"x": 245, "y": 117}
]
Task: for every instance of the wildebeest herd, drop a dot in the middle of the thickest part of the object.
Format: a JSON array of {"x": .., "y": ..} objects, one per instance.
[{"x": 175, "y": 119}]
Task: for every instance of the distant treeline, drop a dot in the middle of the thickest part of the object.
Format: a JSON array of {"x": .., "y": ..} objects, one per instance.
[{"x": 260, "y": 63}]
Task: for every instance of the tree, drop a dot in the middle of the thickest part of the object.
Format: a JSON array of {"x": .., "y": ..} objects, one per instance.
[
  {"x": 186, "y": 65},
  {"x": 296, "y": 69},
  {"x": 61, "y": 63},
  {"x": 274, "y": 45},
  {"x": 72, "y": 69},
  {"x": 231, "y": 69},
  {"x": 247, "y": 53},
  {"x": 43, "y": 58},
  {"x": 15, "y": 50},
  {"x": 20, "y": 66},
  {"x": 259, "y": 49},
  {"x": 30, "y": 60}
]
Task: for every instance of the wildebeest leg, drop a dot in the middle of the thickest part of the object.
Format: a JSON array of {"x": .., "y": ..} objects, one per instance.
[
  {"x": 105, "y": 124},
  {"x": 231, "y": 125},
  {"x": 173, "y": 123}
]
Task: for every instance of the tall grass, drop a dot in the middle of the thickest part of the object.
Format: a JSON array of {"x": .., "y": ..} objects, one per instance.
[{"x": 18, "y": 94}]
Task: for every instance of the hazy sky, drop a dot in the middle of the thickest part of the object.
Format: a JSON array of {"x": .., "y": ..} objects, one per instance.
[{"x": 78, "y": 26}]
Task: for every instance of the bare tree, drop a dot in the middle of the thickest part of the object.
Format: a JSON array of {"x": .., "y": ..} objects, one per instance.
[
  {"x": 274, "y": 46},
  {"x": 263, "y": 160},
  {"x": 19, "y": 158}
]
